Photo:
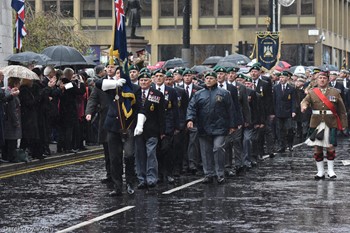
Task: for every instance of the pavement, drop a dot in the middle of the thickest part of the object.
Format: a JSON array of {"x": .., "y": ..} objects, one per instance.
[{"x": 53, "y": 158}]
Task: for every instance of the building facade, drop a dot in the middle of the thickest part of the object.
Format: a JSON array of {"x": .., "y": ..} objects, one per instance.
[
  {"x": 6, "y": 33},
  {"x": 217, "y": 27}
]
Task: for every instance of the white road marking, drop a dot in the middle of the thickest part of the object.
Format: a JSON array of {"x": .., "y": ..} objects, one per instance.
[
  {"x": 182, "y": 186},
  {"x": 297, "y": 145},
  {"x": 346, "y": 162},
  {"x": 80, "y": 225}
]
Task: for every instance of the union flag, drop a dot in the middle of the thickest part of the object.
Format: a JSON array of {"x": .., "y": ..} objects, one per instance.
[{"x": 21, "y": 31}]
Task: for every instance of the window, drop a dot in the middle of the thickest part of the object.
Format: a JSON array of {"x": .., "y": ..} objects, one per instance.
[
  {"x": 105, "y": 8},
  {"x": 146, "y": 8},
  {"x": 224, "y": 7},
  {"x": 248, "y": 7},
  {"x": 31, "y": 4},
  {"x": 167, "y": 8},
  {"x": 291, "y": 10},
  {"x": 307, "y": 7},
  {"x": 66, "y": 8},
  {"x": 206, "y": 8},
  {"x": 88, "y": 8},
  {"x": 50, "y": 6},
  {"x": 263, "y": 7}
]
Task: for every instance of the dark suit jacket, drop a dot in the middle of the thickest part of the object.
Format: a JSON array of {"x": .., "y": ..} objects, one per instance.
[
  {"x": 115, "y": 119},
  {"x": 243, "y": 101},
  {"x": 284, "y": 101},
  {"x": 256, "y": 108},
  {"x": 154, "y": 110},
  {"x": 264, "y": 89},
  {"x": 99, "y": 102},
  {"x": 171, "y": 110},
  {"x": 238, "y": 117},
  {"x": 182, "y": 102}
]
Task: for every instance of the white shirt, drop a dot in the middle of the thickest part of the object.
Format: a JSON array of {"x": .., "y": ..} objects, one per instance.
[
  {"x": 146, "y": 92},
  {"x": 189, "y": 89},
  {"x": 224, "y": 86},
  {"x": 162, "y": 88}
]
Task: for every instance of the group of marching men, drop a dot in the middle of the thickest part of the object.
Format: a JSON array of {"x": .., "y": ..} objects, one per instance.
[{"x": 221, "y": 124}]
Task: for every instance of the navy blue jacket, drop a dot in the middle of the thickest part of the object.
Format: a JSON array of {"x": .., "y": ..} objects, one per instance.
[
  {"x": 237, "y": 110},
  {"x": 284, "y": 101},
  {"x": 171, "y": 110},
  {"x": 211, "y": 110}
]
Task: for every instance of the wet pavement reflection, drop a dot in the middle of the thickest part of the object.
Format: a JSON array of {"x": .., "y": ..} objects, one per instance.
[{"x": 280, "y": 195}]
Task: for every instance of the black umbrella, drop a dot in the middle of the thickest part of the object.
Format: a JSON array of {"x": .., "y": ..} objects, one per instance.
[
  {"x": 236, "y": 59},
  {"x": 329, "y": 67},
  {"x": 201, "y": 69},
  {"x": 213, "y": 60},
  {"x": 29, "y": 57},
  {"x": 62, "y": 55},
  {"x": 175, "y": 62}
]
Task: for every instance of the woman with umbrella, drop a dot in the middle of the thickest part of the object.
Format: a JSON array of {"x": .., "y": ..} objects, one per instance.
[
  {"x": 29, "y": 116},
  {"x": 12, "y": 120}
]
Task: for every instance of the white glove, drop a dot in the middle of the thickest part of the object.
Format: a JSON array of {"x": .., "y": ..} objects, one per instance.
[
  {"x": 112, "y": 84},
  {"x": 141, "y": 119}
]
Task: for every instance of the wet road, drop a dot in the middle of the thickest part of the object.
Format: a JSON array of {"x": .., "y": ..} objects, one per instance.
[{"x": 279, "y": 195}]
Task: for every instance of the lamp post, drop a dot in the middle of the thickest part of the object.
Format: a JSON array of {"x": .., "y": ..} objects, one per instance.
[{"x": 186, "y": 51}]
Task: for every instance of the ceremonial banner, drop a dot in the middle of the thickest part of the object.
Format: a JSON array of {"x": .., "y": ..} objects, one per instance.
[{"x": 268, "y": 48}]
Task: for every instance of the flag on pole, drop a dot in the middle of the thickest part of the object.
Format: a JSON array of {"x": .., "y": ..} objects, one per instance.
[
  {"x": 21, "y": 31},
  {"x": 119, "y": 38},
  {"x": 119, "y": 49}
]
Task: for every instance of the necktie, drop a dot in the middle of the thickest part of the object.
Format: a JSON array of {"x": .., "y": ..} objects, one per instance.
[
  {"x": 187, "y": 91},
  {"x": 255, "y": 83},
  {"x": 221, "y": 85},
  {"x": 143, "y": 96},
  {"x": 283, "y": 88}
]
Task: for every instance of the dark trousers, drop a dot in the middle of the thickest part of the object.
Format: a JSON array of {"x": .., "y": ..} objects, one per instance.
[
  {"x": 193, "y": 150},
  {"x": 179, "y": 151},
  {"x": 283, "y": 125},
  {"x": 165, "y": 156},
  {"x": 116, "y": 144},
  {"x": 33, "y": 145},
  {"x": 233, "y": 149},
  {"x": 107, "y": 161},
  {"x": 65, "y": 139},
  {"x": 8, "y": 150}
]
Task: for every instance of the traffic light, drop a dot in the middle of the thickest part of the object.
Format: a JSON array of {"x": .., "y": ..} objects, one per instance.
[
  {"x": 309, "y": 55},
  {"x": 239, "y": 47}
]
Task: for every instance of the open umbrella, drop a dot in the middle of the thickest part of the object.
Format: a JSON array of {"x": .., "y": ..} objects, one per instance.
[
  {"x": 175, "y": 62},
  {"x": 29, "y": 57},
  {"x": 201, "y": 69},
  {"x": 298, "y": 69},
  {"x": 212, "y": 61},
  {"x": 62, "y": 55},
  {"x": 19, "y": 72},
  {"x": 282, "y": 65},
  {"x": 236, "y": 59},
  {"x": 329, "y": 67}
]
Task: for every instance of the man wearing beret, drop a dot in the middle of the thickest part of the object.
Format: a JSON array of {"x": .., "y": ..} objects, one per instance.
[
  {"x": 328, "y": 115},
  {"x": 120, "y": 124},
  {"x": 211, "y": 109},
  {"x": 284, "y": 103},
  {"x": 264, "y": 88},
  {"x": 192, "y": 158},
  {"x": 233, "y": 141},
  {"x": 178, "y": 77},
  {"x": 150, "y": 127},
  {"x": 172, "y": 127},
  {"x": 134, "y": 74},
  {"x": 179, "y": 142}
]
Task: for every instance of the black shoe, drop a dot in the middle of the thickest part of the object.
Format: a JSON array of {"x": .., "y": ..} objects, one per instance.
[
  {"x": 281, "y": 150},
  {"x": 130, "y": 189},
  {"x": 47, "y": 152},
  {"x": 208, "y": 180},
  {"x": 272, "y": 155},
  {"x": 141, "y": 186},
  {"x": 193, "y": 171},
  {"x": 83, "y": 148},
  {"x": 115, "y": 193},
  {"x": 41, "y": 157},
  {"x": 151, "y": 185},
  {"x": 230, "y": 174},
  {"x": 106, "y": 181},
  {"x": 221, "y": 180},
  {"x": 290, "y": 148},
  {"x": 170, "y": 180},
  {"x": 320, "y": 177}
]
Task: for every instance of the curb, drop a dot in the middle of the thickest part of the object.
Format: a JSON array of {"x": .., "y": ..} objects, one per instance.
[{"x": 4, "y": 168}]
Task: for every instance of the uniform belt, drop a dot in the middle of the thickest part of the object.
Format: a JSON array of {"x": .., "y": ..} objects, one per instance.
[{"x": 325, "y": 112}]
